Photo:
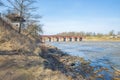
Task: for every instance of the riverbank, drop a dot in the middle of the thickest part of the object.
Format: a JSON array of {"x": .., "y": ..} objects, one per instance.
[
  {"x": 104, "y": 38},
  {"x": 50, "y": 64},
  {"x": 24, "y": 58},
  {"x": 89, "y": 70}
]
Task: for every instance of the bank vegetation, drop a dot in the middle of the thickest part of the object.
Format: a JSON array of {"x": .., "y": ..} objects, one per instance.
[{"x": 92, "y": 36}]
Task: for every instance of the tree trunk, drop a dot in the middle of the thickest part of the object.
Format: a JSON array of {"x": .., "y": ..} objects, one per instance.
[
  {"x": 21, "y": 16},
  {"x": 19, "y": 31}
]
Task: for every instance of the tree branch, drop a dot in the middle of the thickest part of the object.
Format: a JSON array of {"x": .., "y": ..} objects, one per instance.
[{"x": 13, "y": 5}]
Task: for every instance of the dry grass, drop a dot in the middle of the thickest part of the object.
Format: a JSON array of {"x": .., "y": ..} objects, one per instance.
[
  {"x": 103, "y": 38},
  {"x": 23, "y": 67},
  {"x": 18, "y": 67},
  {"x": 10, "y": 40}
]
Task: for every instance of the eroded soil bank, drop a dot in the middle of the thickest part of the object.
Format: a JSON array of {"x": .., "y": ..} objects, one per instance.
[{"x": 50, "y": 64}]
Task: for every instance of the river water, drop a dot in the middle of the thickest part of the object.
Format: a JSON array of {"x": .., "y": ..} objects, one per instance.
[{"x": 104, "y": 54}]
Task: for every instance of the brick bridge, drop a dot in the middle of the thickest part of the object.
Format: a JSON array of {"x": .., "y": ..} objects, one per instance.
[{"x": 58, "y": 38}]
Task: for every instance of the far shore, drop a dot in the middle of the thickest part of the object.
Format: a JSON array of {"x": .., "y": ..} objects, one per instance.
[{"x": 101, "y": 39}]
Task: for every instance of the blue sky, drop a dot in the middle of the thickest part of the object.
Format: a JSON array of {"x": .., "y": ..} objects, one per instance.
[{"x": 80, "y": 15}]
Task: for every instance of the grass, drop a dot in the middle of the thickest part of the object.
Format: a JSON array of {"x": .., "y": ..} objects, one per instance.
[
  {"x": 18, "y": 67},
  {"x": 102, "y": 38}
]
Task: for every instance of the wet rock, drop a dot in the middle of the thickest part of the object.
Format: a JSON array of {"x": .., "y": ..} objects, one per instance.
[
  {"x": 52, "y": 50},
  {"x": 72, "y": 64}
]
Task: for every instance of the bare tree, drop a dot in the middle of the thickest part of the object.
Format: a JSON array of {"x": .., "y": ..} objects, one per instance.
[
  {"x": 34, "y": 29},
  {"x": 23, "y": 8},
  {"x": 118, "y": 33},
  {"x": 111, "y": 33}
]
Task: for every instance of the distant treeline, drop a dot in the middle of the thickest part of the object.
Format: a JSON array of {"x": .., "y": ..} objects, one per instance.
[{"x": 111, "y": 33}]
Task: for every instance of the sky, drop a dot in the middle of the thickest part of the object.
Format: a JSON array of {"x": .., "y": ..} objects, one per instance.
[{"x": 100, "y": 16}]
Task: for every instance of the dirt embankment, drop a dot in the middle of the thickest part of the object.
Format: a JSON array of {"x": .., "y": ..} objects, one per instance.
[
  {"x": 45, "y": 66},
  {"x": 50, "y": 64}
]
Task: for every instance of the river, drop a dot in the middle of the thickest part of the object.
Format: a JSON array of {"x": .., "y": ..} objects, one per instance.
[{"x": 104, "y": 54}]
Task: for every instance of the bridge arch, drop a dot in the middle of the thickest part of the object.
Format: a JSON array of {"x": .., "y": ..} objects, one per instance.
[
  {"x": 80, "y": 39},
  {"x": 76, "y": 38},
  {"x": 56, "y": 38},
  {"x": 64, "y": 39},
  {"x": 70, "y": 39},
  {"x": 49, "y": 39}
]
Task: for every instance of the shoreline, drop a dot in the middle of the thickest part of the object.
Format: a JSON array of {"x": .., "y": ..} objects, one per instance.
[
  {"x": 80, "y": 61},
  {"x": 52, "y": 63},
  {"x": 101, "y": 39},
  {"x": 97, "y": 40}
]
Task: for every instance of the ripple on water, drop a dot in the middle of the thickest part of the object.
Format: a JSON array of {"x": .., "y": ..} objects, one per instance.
[{"x": 94, "y": 51}]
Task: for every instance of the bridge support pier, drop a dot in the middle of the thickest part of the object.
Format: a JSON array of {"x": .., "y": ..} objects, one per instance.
[{"x": 56, "y": 38}]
